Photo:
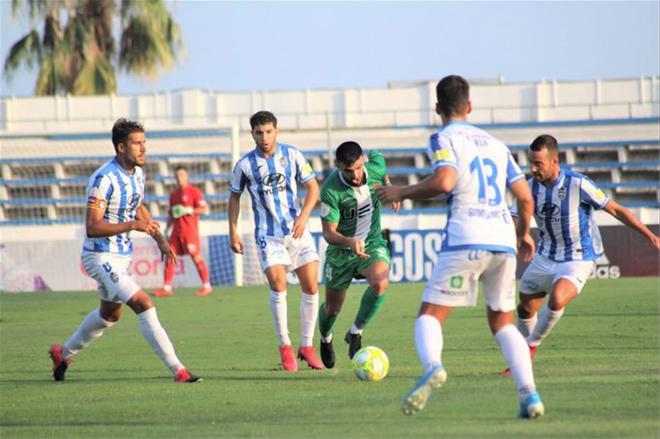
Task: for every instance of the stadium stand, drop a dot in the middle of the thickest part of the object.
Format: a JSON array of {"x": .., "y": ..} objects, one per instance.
[
  {"x": 51, "y": 190},
  {"x": 608, "y": 129}
]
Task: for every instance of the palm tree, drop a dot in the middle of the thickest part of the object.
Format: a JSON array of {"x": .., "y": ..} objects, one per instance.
[{"x": 79, "y": 56}]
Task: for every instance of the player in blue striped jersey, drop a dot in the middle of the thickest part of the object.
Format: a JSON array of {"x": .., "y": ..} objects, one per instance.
[
  {"x": 569, "y": 244},
  {"x": 272, "y": 173},
  {"x": 115, "y": 208},
  {"x": 475, "y": 170}
]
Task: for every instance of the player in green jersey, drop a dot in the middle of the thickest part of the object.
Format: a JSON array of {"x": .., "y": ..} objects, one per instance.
[{"x": 350, "y": 214}]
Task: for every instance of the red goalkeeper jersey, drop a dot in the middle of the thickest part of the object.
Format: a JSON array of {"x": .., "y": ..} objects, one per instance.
[{"x": 186, "y": 226}]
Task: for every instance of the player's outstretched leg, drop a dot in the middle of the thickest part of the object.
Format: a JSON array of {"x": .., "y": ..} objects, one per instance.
[
  {"x": 327, "y": 352},
  {"x": 60, "y": 365},
  {"x": 91, "y": 328},
  {"x": 415, "y": 399},
  {"x": 354, "y": 340},
  {"x": 326, "y": 322},
  {"x": 309, "y": 303},
  {"x": 183, "y": 376},
  {"x": 278, "y": 309},
  {"x": 204, "y": 276},
  {"x": 516, "y": 355},
  {"x": 158, "y": 339}
]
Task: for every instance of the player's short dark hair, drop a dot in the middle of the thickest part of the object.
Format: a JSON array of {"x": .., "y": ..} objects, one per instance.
[
  {"x": 348, "y": 153},
  {"x": 453, "y": 94},
  {"x": 180, "y": 168},
  {"x": 545, "y": 141},
  {"x": 263, "y": 118},
  {"x": 124, "y": 128}
]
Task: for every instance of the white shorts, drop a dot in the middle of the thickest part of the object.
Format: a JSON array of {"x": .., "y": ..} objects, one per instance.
[
  {"x": 542, "y": 274},
  {"x": 288, "y": 251},
  {"x": 456, "y": 274},
  {"x": 110, "y": 271}
]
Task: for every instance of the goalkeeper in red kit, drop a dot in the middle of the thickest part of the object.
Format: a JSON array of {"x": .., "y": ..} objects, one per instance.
[{"x": 186, "y": 204}]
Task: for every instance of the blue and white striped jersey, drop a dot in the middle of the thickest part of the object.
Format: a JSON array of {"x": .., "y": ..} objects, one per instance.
[
  {"x": 564, "y": 215},
  {"x": 112, "y": 188},
  {"x": 273, "y": 186},
  {"x": 478, "y": 215}
]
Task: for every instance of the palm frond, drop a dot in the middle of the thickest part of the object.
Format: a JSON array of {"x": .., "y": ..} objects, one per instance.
[{"x": 26, "y": 50}]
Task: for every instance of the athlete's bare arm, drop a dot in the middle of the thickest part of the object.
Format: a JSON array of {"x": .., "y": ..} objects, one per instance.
[
  {"x": 629, "y": 219},
  {"x": 234, "y": 207}
]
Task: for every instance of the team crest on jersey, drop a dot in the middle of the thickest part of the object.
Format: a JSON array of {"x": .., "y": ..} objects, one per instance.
[
  {"x": 283, "y": 161},
  {"x": 561, "y": 193},
  {"x": 184, "y": 198}
]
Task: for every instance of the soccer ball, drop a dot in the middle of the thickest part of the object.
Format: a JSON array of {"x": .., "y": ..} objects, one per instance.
[{"x": 371, "y": 364}]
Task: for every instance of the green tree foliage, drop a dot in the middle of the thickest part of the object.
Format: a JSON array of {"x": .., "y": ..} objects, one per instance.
[{"x": 76, "y": 50}]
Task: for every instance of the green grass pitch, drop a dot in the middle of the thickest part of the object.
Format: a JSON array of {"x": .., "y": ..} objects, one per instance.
[{"x": 598, "y": 372}]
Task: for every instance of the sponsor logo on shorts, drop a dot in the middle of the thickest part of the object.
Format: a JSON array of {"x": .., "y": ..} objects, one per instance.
[
  {"x": 114, "y": 277},
  {"x": 454, "y": 293},
  {"x": 456, "y": 282},
  {"x": 107, "y": 267}
]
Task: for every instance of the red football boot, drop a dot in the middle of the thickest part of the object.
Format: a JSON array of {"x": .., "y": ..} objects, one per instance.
[
  {"x": 308, "y": 354},
  {"x": 288, "y": 358}
]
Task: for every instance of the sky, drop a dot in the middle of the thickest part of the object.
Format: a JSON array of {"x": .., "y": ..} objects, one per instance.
[{"x": 243, "y": 46}]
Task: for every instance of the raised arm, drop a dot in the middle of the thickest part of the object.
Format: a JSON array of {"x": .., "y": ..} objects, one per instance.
[
  {"x": 629, "y": 219},
  {"x": 441, "y": 181}
]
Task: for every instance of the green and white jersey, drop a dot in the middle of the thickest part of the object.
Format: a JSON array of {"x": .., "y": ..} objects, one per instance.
[{"x": 355, "y": 209}]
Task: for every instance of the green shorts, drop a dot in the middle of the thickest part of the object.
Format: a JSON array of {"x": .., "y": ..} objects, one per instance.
[{"x": 342, "y": 265}]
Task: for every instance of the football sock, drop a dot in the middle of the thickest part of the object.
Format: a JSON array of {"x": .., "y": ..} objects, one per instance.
[
  {"x": 428, "y": 341},
  {"x": 156, "y": 336},
  {"x": 547, "y": 319},
  {"x": 308, "y": 305},
  {"x": 369, "y": 306},
  {"x": 90, "y": 329},
  {"x": 516, "y": 355},
  {"x": 526, "y": 326},
  {"x": 203, "y": 272},
  {"x": 325, "y": 323},
  {"x": 278, "y": 309},
  {"x": 169, "y": 274}
]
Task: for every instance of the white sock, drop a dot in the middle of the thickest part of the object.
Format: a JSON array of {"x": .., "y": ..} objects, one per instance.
[
  {"x": 516, "y": 355},
  {"x": 278, "y": 309},
  {"x": 327, "y": 339},
  {"x": 90, "y": 329},
  {"x": 207, "y": 285},
  {"x": 356, "y": 330},
  {"x": 526, "y": 326},
  {"x": 428, "y": 340},
  {"x": 167, "y": 287},
  {"x": 156, "y": 336},
  {"x": 309, "y": 311},
  {"x": 547, "y": 319}
]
